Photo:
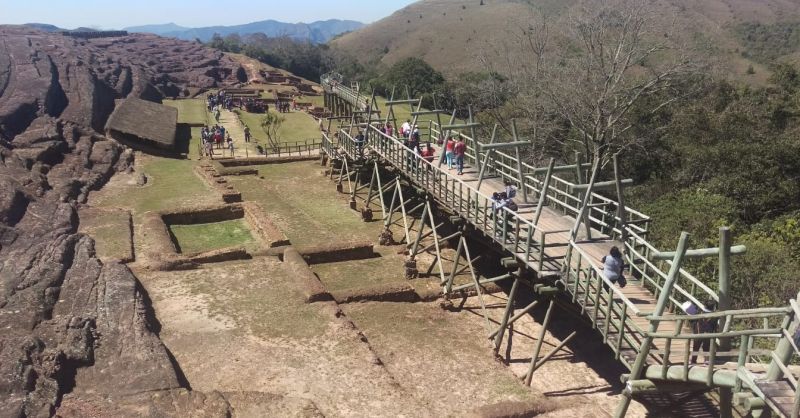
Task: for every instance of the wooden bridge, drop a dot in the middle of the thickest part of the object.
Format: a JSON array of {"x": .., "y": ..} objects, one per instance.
[{"x": 565, "y": 223}]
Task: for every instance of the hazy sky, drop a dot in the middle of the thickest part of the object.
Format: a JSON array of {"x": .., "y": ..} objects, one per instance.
[{"x": 116, "y": 14}]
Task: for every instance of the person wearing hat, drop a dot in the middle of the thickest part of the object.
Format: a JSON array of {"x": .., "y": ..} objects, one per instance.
[{"x": 702, "y": 326}]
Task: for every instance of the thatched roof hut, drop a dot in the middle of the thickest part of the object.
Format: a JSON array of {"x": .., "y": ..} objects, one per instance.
[{"x": 143, "y": 123}]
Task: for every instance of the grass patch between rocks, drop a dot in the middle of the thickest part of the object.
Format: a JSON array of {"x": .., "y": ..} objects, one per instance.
[{"x": 199, "y": 238}]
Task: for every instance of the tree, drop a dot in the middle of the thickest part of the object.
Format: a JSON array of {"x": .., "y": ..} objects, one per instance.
[
  {"x": 614, "y": 57},
  {"x": 415, "y": 74},
  {"x": 271, "y": 125}
]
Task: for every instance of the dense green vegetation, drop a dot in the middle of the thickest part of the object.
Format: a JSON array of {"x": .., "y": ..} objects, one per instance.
[
  {"x": 768, "y": 42},
  {"x": 729, "y": 157}
]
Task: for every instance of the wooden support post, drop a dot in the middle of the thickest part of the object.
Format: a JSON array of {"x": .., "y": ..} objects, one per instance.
[
  {"x": 539, "y": 342},
  {"x": 622, "y": 212},
  {"x": 724, "y": 295},
  {"x": 472, "y": 126},
  {"x": 583, "y": 214},
  {"x": 520, "y": 174},
  {"x": 517, "y": 316},
  {"x": 449, "y": 286},
  {"x": 403, "y": 210},
  {"x": 506, "y": 315},
  {"x": 661, "y": 305},
  {"x": 477, "y": 288},
  {"x": 483, "y": 166},
  {"x": 543, "y": 193},
  {"x": 783, "y": 351},
  {"x": 536, "y": 364}
]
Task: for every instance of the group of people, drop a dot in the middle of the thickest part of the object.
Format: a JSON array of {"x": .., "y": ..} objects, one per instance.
[
  {"x": 215, "y": 101},
  {"x": 505, "y": 199},
  {"x": 454, "y": 151},
  {"x": 282, "y": 106},
  {"x": 215, "y": 136}
]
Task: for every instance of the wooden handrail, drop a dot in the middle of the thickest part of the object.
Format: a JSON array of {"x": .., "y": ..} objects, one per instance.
[{"x": 617, "y": 292}]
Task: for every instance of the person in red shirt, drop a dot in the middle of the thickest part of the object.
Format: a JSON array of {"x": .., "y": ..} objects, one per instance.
[
  {"x": 427, "y": 153},
  {"x": 459, "y": 149},
  {"x": 448, "y": 152}
]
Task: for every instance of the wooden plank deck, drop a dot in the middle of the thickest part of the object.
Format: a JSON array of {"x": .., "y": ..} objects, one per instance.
[{"x": 779, "y": 394}]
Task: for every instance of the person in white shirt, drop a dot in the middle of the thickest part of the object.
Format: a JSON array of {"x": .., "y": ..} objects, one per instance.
[{"x": 405, "y": 129}]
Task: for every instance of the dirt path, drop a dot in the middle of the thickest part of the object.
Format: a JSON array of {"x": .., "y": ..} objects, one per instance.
[{"x": 234, "y": 127}]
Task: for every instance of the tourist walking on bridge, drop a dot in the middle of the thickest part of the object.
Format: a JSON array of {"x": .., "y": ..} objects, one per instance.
[
  {"x": 448, "y": 152},
  {"x": 702, "y": 326},
  {"x": 360, "y": 141},
  {"x": 405, "y": 129},
  {"x": 459, "y": 150}
]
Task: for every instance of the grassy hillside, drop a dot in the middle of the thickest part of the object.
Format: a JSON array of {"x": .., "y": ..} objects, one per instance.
[{"x": 452, "y": 35}]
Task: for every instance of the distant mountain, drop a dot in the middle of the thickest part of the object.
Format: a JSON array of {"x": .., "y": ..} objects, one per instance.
[
  {"x": 451, "y": 34},
  {"x": 44, "y": 27},
  {"x": 157, "y": 29},
  {"x": 316, "y": 32}
]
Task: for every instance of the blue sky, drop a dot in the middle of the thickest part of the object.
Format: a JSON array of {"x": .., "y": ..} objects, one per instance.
[{"x": 117, "y": 14}]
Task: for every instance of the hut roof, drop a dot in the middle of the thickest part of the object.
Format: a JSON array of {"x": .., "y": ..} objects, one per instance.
[{"x": 146, "y": 120}]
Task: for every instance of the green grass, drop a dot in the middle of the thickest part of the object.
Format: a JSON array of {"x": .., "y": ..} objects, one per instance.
[
  {"x": 191, "y": 111},
  {"x": 297, "y": 126},
  {"x": 347, "y": 275},
  {"x": 171, "y": 184},
  {"x": 199, "y": 238},
  {"x": 304, "y": 204},
  {"x": 110, "y": 230}
]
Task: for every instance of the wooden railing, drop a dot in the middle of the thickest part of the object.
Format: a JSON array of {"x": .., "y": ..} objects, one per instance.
[
  {"x": 508, "y": 228},
  {"x": 286, "y": 149},
  {"x": 654, "y": 273},
  {"x": 610, "y": 311},
  {"x": 351, "y": 96}
]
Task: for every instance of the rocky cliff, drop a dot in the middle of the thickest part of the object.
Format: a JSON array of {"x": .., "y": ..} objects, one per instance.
[{"x": 68, "y": 322}]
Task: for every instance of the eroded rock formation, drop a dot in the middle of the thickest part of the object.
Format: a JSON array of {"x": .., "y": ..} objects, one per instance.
[{"x": 70, "y": 324}]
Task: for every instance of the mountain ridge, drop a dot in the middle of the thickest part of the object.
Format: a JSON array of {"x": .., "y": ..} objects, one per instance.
[
  {"x": 316, "y": 32},
  {"x": 452, "y": 34}
]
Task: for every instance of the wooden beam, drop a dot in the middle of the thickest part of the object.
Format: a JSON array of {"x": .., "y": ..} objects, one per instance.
[
  {"x": 428, "y": 112},
  {"x": 561, "y": 168},
  {"x": 397, "y": 102},
  {"x": 600, "y": 185},
  {"x": 502, "y": 145},
  {"x": 461, "y": 126},
  {"x": 701, "y": 253},
  {"x": 650, "y": 387}
]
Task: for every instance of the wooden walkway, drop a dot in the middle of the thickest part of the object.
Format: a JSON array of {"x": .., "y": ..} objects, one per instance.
[{"x": 625, "y": 317}]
